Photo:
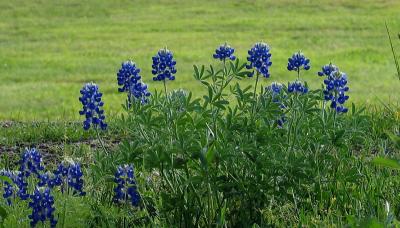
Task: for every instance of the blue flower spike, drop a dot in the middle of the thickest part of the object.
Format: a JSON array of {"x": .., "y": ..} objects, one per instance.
[
  {"x": 336, "y": 89},
  {"x": 130, "y": 82},
  {"x": 259, "y": 59},
  {"x": 297, "y": 87},
  {"x": 92, "y": 107},
  {"x": 42, "y": 205},
  {"x": 224, "y": 52},
  {"x": 298, "y": 62},
  {"x": 163, "y": 65},
  {"x": 327, "y": 70},
  {"x": 126, "y": 189}
]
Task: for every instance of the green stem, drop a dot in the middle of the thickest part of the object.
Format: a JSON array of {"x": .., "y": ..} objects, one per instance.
[
  {"x": 255, "y": 93},
  {"x": 101, "y": 141},
  {"x": 165, "y": 88},
  {"x": 298, "y": 74}
]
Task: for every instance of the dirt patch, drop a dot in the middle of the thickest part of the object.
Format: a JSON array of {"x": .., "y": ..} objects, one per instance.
[{"x": 52, "y": 151}]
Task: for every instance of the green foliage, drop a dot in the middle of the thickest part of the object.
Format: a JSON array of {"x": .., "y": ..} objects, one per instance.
[{"x": 222, "y": 160}]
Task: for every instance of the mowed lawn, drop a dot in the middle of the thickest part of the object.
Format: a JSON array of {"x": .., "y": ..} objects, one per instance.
[{"x": 49, "y": 49}]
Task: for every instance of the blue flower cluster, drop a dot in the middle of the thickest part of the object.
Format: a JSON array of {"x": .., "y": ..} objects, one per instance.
[
  {"x": 74, "y": 178},
  {"x": 139, "y": 92},
  {"x": 127, "y": 76},
  {"x": 223, "y": 52},
  {"x": 163, "y": 65},
  {"x": 126, "y": 186},
  {"x": 260, "y": 59},
  {"x": 67, "y": 176},
  {"x": 276, "y": 90},
  {"x": 327, "y": 70},
  {"x": 31, "y": 163},
  {"x": 130, "y": 81},
  {"x": 335, "y": 90},
  {"x": 42, "y": 204},
  {"x": 297, "y": 87},
  {"x": 8, "y": 189},
  {"x": 297, "y": 62},
  {"x": 92, "y": 107}
]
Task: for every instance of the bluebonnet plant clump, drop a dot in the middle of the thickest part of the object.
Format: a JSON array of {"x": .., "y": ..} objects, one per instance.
[
  {"x": 32, "y": 171},
  {"x": 335, "y": 90},
  {"x": 130, "y": 81},
  {"x": 92, "y": 107},
  {"x": 259, "y": 59},
  {"x": 297, "y": 62},
  {"x": 126, "y": 185},
  {"x": 42, "y": 204},
  {"x": 163, "y": 65},
  {"x": 224, "y": 52},
  {"x": 297, "y": 87}
]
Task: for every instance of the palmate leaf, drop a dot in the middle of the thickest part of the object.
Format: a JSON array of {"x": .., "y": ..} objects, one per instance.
[{"x": 386, "y": 162}]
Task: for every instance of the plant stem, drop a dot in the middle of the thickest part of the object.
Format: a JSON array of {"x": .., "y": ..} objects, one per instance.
[
  {"x": 101, "y": 141},
  {"x": 165, "y": 89},
  {"x": 298, "y": 74},
  {"x": 254, "y": 93}
]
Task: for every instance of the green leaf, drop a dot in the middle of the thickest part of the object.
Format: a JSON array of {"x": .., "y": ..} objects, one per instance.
[
  {"x": 196, "y": 72},
  {"x": 3, "y": 213},
  {"x": 210, "y": 154},
  {"x": 6, "y": 179},
  {"x": 386, "y": 162},
  {"x": 395, "y": 139}
]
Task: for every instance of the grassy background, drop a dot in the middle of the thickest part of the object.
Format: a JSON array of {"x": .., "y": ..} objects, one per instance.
[{"x": 49, "y": 49}]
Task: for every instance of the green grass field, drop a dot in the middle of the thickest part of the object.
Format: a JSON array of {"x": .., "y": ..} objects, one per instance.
[{"x": 49, "y": 49}]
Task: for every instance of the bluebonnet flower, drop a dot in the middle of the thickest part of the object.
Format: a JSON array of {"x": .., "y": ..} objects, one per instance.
[
  {"x": 66, "y": 176},
  {"x": 297, "y": 62},
  {"x": 75, "y": 180},
  {"x": 22, "y": 184},
  {"x": 297, "y": 87},
  {"x": 31, "y": 163},
  {"x": 163, "y": 65},
  {"x": 92, "y": 107},
  {"x": 259, "y": 59},
  {"x": 130, "y": 81},
  {"x": 127, "y": 76},
  {"x": 223, "y": 52},
  {"x": 42, "y": 204},
  {"x": 45, "y": 179},
  {"x": 8, "y": 189},
  {"x": 276, "y": 90},
  {"x": 335, "y": 89},
  {"x": 126, "y": 185},
  {"x": 139, "y": 92},
  {"x": 327, "y": 70}
]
